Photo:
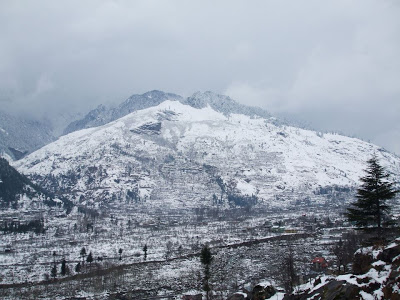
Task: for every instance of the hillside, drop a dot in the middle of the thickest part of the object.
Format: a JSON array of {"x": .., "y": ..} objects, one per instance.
[
  {"x": 103, "y": 115},
  {"x": 18, "y": 193},
  {"x": 376, "y": 276},
  {"x": 176, "y": 155},
  {"x": 20, "y": 135}
]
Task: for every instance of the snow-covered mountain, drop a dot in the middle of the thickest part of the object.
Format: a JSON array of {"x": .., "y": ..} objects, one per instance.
[
  {"x": 178, "y": 155},
  {"x": 20, "y": 135},
  {"x": 103, "y": 115},
  {"x": 224, "y": 105},
  {"x": 18, "y": 192}
]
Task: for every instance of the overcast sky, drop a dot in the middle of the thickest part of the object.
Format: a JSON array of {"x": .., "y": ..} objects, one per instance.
[{"x": 333, "y": 64}]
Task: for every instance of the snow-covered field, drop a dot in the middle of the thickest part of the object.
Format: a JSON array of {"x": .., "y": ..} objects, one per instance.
[{"x": 173, "y": 245}]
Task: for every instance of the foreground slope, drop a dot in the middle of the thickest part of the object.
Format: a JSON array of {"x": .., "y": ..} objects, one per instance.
[
  {"x": 377, "y": 276},
  {"x": 176, "y": 155}
]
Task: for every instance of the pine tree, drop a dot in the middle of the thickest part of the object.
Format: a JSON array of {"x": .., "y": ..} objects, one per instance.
[
  {"x": 145, "y": 251},
  {"x": 83, "y": 254},
  {"x": 89, "y": 258},
  {"x": 78, "y": 267},
  {"x": 54, "y": 271},
  {"x": 63, "y": 267},
  {"x": 206, "y": 259},
  {"x": 371, "y": 207}
]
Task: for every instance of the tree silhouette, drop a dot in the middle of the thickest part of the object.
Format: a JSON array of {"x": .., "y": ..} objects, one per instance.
[
  {"x": 78, "y": 267},
  {"x": 89, "y": 258},
  {"x": 54, "y": 271},
  {"x": 63, "y": 267},
  {"x": 83, "y": 254},
  {"x": 145, "y": 252},
  {"x": 206, "y": 259},
  {"x": 371, "y": 207}
]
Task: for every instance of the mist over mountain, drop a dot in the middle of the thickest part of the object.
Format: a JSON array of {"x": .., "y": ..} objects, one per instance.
[
  {"x": 170, "y": 175},
  {"x": 21, "y": 135},
  {"x": 103, "y": 115},
  {"x": 211, "y": 152}
]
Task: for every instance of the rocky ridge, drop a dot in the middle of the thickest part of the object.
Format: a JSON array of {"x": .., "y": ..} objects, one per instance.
[{"x": 380, "y": 278}]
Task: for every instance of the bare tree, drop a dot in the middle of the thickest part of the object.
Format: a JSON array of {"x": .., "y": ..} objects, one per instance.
[
  {"x": 287, "y": 270},
  {"x": 344, "y": 250}
]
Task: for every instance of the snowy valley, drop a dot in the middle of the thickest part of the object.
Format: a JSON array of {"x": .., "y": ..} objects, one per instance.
[{"x": 172, "y": 175}]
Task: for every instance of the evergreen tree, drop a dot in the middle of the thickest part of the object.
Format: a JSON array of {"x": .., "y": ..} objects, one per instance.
[
  {"x": 145, "y": 251},
  {"x": 83, "y": 254},
  {"x": 54, "y": 271},
  {"x": 78, "y": 267},
  {"x": 206, "y": 259},
  {"x": 371, "y": 207},
  {"x": 89, "y": 258},
  {"x": 63, "y": 267}
]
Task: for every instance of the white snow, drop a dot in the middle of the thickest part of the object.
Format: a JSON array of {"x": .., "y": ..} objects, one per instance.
[{"x": 264, "y": 159}]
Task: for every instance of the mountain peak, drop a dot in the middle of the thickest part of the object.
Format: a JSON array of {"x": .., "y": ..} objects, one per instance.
[
  {"x": 102, "y": 115},
  {"x": 224, "y": 104},
  {"x": 202, "y": 99},
  {"x": 160, "y": 94}
]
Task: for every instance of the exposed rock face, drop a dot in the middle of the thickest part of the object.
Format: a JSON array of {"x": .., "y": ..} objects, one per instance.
[
  {"x": 378, "y": 278},
  {"x": 389, "y": 253},
  {"x": 330, "y": 291},
  {"x": 261, "y": 291},
  {"x": 193, "y": 297},
  {"x": 238, "y": 296}
]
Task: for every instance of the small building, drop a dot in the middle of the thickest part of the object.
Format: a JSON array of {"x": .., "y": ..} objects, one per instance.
[{"x": 319, "y": 264}]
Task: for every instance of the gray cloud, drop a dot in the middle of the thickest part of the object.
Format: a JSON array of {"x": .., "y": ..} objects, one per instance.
[{"x": 334, "y": 64}]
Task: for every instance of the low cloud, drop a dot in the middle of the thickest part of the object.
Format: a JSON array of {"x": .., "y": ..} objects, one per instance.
[{"x": 335, "y": 64}]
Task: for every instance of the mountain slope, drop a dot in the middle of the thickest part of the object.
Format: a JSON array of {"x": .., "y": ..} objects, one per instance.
[
  {"x": 380, "y": 278},
  {"x": 224, "y": 104},
  {"x": 180, "y": 156},
  {"x": 19, "y": 135},
  {"x": 103, "y": 115},
  {"x": 220, "y": 103},
  {"x": 18, "y": 192}
]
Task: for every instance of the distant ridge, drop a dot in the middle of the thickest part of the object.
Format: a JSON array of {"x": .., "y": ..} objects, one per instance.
[
  {"x": 103, "y": 115},
  {"x": 19, "y": 135},
  {"x": 220, "y": 103},
  {"x": 224, "y": 104}
]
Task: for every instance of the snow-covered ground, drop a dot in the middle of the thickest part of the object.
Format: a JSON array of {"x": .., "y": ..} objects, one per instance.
[{"x": 173, "y": 154}]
